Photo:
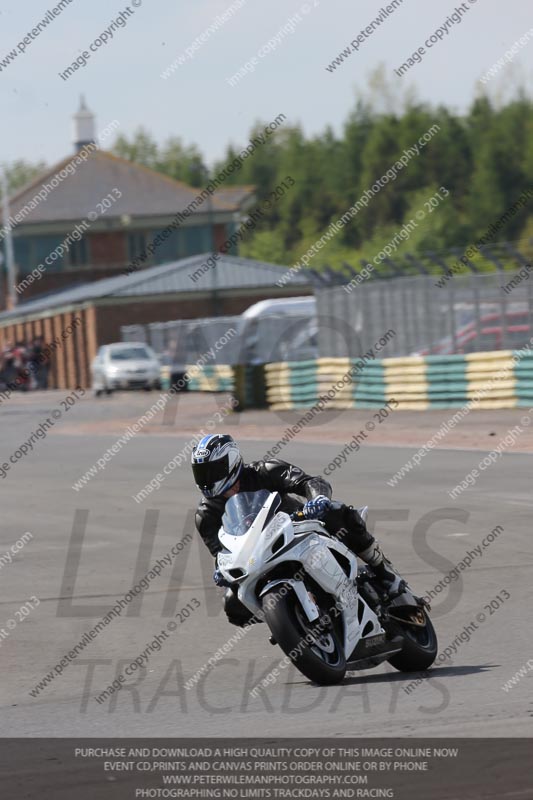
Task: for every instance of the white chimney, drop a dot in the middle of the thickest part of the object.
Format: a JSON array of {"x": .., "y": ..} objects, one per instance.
[{"x": 84, "y": 126}]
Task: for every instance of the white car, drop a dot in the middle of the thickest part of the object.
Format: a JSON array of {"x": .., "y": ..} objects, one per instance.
[{"x": 125, "y": 365}]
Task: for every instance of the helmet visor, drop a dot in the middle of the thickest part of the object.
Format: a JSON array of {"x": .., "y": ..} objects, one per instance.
[{"x": 210, "y": 473}]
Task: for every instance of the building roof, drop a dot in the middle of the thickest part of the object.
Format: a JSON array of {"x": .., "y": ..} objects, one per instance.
[
  {"x": 232, "y": 197},
  {"x": 230, "y": 273},
  {"x": 145, "y": 193}
]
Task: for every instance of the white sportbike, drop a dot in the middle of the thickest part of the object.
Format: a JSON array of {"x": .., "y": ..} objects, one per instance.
[{"x": 326, "y": 613}]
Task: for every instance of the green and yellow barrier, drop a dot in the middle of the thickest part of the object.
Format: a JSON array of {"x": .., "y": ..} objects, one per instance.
[
  {"x": 210, "y": 378},
  {"x": 499, "y": 379}
]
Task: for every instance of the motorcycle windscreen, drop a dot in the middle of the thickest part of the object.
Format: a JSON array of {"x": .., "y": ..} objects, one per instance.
[{"x": 242, "y": 509}]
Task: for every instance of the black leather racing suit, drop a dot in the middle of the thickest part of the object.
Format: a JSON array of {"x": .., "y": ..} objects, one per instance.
[{"x": 295, "y": 487}]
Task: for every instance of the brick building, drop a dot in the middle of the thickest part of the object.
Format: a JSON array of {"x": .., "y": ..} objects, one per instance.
[
  {"x": 93, "y": 213},
  {"x": 185, "y": 289}
]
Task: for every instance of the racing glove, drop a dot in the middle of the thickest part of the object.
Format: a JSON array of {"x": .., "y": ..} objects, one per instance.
[
  {"x": 219, "y": 579},
  {"x": 317, "y": 507}
]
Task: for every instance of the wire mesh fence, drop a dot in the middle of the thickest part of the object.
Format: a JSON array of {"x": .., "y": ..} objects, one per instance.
[
  {"x": 468, "y": 314},
  {"x": 257, "y": 340}
]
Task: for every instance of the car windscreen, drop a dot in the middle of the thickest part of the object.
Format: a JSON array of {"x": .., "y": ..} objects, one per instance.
[
  {"x": 129, "y": 354},
  {"x": 241, "y": 510}
]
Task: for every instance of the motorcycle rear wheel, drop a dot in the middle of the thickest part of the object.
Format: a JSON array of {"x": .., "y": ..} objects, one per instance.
[
  {"x": 420, "y": 646},
  {"x": 320, "y": 657}
]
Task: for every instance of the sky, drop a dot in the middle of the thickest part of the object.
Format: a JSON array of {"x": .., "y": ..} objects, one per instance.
[{"x": 122, "y": 79}]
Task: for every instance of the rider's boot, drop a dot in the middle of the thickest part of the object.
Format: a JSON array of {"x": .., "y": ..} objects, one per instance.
[
  {"x": 390, "y": 580},
  {"x": 348, "y": 524}
]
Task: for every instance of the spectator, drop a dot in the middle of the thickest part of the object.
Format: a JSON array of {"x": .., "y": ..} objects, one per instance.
[
  {"x": 25, "y": 366},
  {"x": 20, "y": 361},
  {"x": 7, "y": 367},
  {"x": 40, "y": 360}
]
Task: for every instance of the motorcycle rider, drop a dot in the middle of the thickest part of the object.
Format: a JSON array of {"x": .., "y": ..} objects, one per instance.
[{"x": 220, "y": 472}]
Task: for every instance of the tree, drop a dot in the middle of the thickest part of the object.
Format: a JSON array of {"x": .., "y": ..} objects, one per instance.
[
  {"x": 484, "y": 158},
  {"x": 181, "y": 163},
  {"x": 21, "y": 172},
  {"x": 265, "y": 246},
  {"x": 142, "y": 149}
]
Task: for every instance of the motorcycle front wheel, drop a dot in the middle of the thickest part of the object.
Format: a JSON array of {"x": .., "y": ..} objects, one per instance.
[{"x": 314, "y": 648}]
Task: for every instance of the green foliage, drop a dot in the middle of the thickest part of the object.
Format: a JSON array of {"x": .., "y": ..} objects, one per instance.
[
  {"x": 142, "y": 148},
  {"x": 183, "y": 163},
  {"x": 484, "y": 158},
  {"x": 265, "y": 246},
  {"x": 20, "y": 173}
]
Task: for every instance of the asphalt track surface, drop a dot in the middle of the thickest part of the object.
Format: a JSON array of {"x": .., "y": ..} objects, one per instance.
[{"x": 418, "y": 524}]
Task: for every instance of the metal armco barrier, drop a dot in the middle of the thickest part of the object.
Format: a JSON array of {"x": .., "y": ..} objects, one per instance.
[{"x": 499, "y": 379}]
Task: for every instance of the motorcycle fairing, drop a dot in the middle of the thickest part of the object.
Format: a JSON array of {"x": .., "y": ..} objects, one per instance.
[{"x": 249, "y": 557}]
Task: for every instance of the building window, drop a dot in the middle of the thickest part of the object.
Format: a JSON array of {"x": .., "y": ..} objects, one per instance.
[
  {"x": 168, "y": 249},
  {"x": 77, "y": 253},
  {"x": 136, "y": 244}
]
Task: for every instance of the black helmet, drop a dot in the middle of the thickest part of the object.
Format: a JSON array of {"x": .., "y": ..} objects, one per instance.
[{"x": 216, "y": 464}]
